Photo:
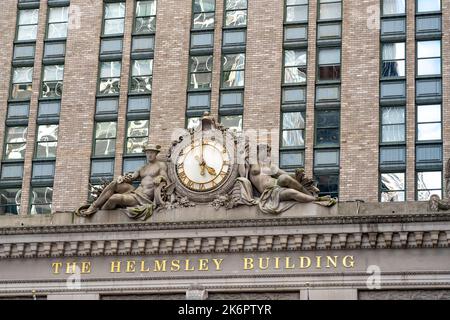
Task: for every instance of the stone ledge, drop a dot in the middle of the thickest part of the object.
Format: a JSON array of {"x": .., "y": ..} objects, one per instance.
[{"x": 206, "y": 213}]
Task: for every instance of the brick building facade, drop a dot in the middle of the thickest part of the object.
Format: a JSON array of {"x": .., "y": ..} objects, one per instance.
[{"x": 345, "y": 158}]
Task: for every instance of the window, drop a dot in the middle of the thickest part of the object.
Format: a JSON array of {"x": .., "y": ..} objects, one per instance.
[
  {"x": 141, "y": 76},
  {"x": 294, "y": 66},
  {"x": 130, "y": 165},
  {"x": 393, "y": 187},
  {"x": 141, "y": 44},
  {"x": 41, "y": 200},
  {"x": 428, "y": 184},
  {"x": 43, "y": 170},
  {"x": 429, "y": 126},
  {"x": 327, "y": 130},
  {"x": 105, "y": 139},
  {"x": 16, "y": 142},
  {"x": 54, "y": 49},
  {"x": 58, "y": 23},
  {"x": 393, "y": 124},
  {"x": 234, "y": 38},
  {"x": 199, "y": 101},
  {"x": 428, "y": 24},
  {"x": 428, "y": 58},
  {"x": 110, "y": 77},
  {"x": 328, "y": 184},
  {"x": 200, "y": 72},
  {"x": 294, "y": 95},
  {"x": 145, "y": 17},
  {"x": 233, "y": 70},
  {"x": 49, "y": 109},
  {"x": 326, "y": 158},
  {"x": 12, "y": 172},
  {"x": 137, "y": 136},
  {"x": 52, "y": 84},
  {"x": 202, "y": 40},
  {"x": 393, "y": 60},
  {"x": 232, "y": 122},
  {"x": 393, "y": 26},
  {"x": 329, "y": 64},
  {"x": 394, "y": 7},
  {"x": 111, "y": 46},
  {"x": 22, "y": 83},
  {"x": 139, "y": 104},
  {"x": 24, "y": 51},
  {"x": 114, "y": 18},
  {"x": 47, "y": 141},
  {"x": 18, "y": 110},
  {"x": 428, "y": 5},
  {"x": 293, "y": 132},
  {"x": 204, "y": 11},
  {"x": 296, "y": 11},
  {"x": 235, "y": 13},
  {"x": 10, "y": 201},
  {"x": 393, "y": 89},
  {"x": 102, "y": 168},
  {"x": 330, "y": 9},
  {"x": 295, "y": 33},
  {"x": 27, "y": 26},
  {"x": 329, "y": 31}
]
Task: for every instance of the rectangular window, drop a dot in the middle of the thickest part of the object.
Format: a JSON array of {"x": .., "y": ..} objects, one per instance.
[
  {"x": 10, "y": 201},
  {"x": 329, "y": 31},
  {"x": 22, "y": 83},
  {"x": 111, "y": 46},
  {"x": 137, "y": 136},
  {"x": 12, "y": 172},
  {"x": 145, "y": 17},
  {"x": 58, "y": 23},
  {"x": 393, "y": 26},
  {"x": 202, "y": 40},
  {"x": 234, "y": 38},
  {"x": 329, "y": 64},
  {"x": 327, "y": 128},
  {"x": 296, "y": 11},
  {"x": 235, "y": 13},
  {"x": 114, "y": 19},
  {"x": 328, "y": 184},
  {"x": 393, "y": 156},
  {"x": 105, "y": 139},
  {"x": 28, "y": 24},
  {"x": 393, "y": 56},
  {"x": 41, "y": 200},
  {"x": 52, "y": 82},
  {"x": 22, "y": 52},
  {"x": 102, "y": 168},
  {"x": 428, "y": 184},
  {"x": 200, "y": 69},
  {"x": 295, "y": 66},
  {"x": 393, "y": 124},
  {"x": 130, "y": 165},
  {"x": 204, "y": 12},
  {"x": 110, "y": 77},
  {"x": 292, "y": 159},
  {"x": 428, "y": 6},
  {"x": 295, "y": 33},
  {"x": 429, "y": 123},
  {"x": 16, "y": 143},
  {"x": 141, "y": 76},
  {"x": 232, "y": 122},
  {"x": 330, "y": 9},
  {"x": 140, "y": 104},
  {"x": 393, "y": 187},
  {"x": 293, "y": 129},
  {"x": 429, "y": 58},
  {"x": 143, "y": 44},
  {"x": 18, "y": 110},
  {"x": 47, "y": 141},
  {"x": 394, "y": 7},
  {"x": 233, "y": 67}
]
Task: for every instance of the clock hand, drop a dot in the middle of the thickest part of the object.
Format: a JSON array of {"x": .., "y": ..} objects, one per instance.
[
  {"x": 202, "y": 165},
  {"x": 211, "y": 171}
]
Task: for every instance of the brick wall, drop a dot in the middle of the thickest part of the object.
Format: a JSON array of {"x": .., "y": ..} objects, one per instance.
[{"x": 360, "y": 102}]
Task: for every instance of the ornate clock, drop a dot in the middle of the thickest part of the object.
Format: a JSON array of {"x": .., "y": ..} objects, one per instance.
[{"x": 203, "y": 162}]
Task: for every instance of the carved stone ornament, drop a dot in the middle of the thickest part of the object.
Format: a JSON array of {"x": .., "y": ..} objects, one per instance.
[
  {"x": 206, "y": 165},
  {"x": 436, "y": 203}
]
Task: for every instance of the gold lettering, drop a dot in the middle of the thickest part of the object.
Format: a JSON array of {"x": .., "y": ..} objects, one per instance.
[
  {"x": 175, "y": 266},
  {"x": 56, "y": 267},
  {"x": 261, "y": 266},
  {"x": 203, "y": 265},
  {"x": 249, "y": 264},
  {"x": 348, "y": 262},
  {"x": 318, "y": 262},
  {"x": 187, "y": 265},
  {"x": 302, "y": 262},
  {"x": 131, "y": 266},
  {"x": 71, "y": 267},
  {"x": 160, "y": 266},
  {"x": 332, "y": 261},
  {"x": 86, "y": 267},
  {"x": 115, "y": 266},
  {"x": 144, "y": 268},
  {"x": 277, "y": 262},
  {"x": 289, "y": 265},
  {"x": 218, "y": 262}
]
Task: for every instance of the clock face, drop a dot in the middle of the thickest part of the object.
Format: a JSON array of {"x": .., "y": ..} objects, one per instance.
[{"x": 203, "y": 165}]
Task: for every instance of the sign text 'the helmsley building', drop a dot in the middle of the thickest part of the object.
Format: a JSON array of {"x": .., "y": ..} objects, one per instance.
[{"x": 208, "y": 264}]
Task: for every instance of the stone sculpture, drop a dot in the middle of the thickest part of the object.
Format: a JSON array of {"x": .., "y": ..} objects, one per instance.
[
  {"x": 436, "y": 203},
  {"x": 201, "y": 168}
]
